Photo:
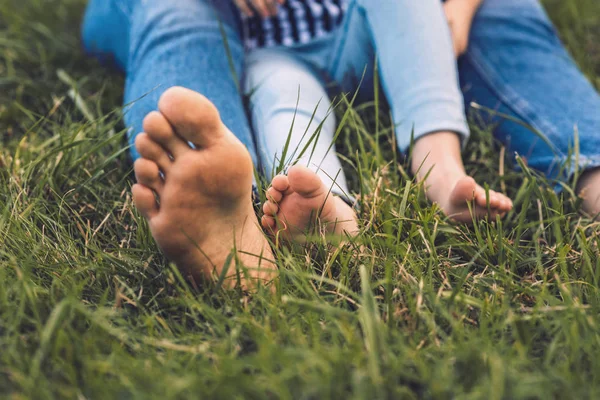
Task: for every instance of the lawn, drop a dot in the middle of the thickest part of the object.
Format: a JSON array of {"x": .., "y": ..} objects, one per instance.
[{"x": 415, "y": 307}]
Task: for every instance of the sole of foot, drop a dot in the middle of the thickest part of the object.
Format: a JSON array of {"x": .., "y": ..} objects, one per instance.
[
  {"x": 466, "y": 191},
  {"x": 198, "y": 200},
  {"x": 299, "y": 202}
]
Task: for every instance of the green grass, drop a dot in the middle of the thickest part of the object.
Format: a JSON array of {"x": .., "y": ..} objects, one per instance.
[{"x": 90, "y": 309}]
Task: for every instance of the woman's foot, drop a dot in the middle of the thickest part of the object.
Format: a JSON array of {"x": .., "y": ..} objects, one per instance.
[
  {"x": 204, "y": 210},
  {"x": 437, "y": 161},
  {"x": 298, "y": 202}
]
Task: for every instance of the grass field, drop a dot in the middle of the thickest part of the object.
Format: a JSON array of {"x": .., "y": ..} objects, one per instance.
[{"x": 425, "y": 309}]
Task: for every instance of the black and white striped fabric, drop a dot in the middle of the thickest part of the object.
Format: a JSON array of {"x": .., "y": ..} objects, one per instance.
[{"x": 297, "y": 22}]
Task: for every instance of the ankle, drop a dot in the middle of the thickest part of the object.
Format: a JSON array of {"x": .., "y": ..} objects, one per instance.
[{"x": 437, "y": 154}]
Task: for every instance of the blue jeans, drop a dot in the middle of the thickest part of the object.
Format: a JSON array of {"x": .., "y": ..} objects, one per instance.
[
  {"x": 515, "y": 64},
  {"x": 160, "y": 44}
]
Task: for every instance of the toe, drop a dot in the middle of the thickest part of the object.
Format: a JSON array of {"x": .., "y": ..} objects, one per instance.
[
  {"x": 274, "y": 195},
  {"x": 144, "y": 201},
  {"x": 152, "y": 151},
  {"x": 268, "y": 222},
  {"x": 505, "y": 203},
  {"x": 483, "y": 198},
  {"x": 494, "y": 199},
  {"x": 192, "y": 115},
  {"x": 465, "y": 190},
  {"x": 281, "y": 183},
  {"x": 305, "y": 182},
  {"x": 159, "y": 130},
  {"x": 270, "y": 208},
  {"x": 500, "y": 204},
  {"x": 148, "y": 174}
]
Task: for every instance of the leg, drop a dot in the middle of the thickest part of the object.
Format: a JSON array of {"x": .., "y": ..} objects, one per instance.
[
  {"x": 289, "y": 107},
  {"x": 201, "y": 216},
  {"x": 161, "y": 44},
  {"x": 516, "y": 65},
  {"x": 289, "y": 102},
  {"x": 420, "y": 80}
]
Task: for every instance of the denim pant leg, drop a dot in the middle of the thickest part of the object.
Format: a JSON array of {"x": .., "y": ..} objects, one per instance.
[
  {"x": 517, "y": 65},
  {"x": 105, "y": 30},
  {"x": 416, "y": 63},
  {"x": 161, "y": 44},
  {"x": 290, "y": 107}
]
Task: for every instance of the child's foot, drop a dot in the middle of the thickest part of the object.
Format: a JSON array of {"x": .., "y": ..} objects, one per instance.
[
  {"x": 467, "y": 192},
  {"x": 204, "y": 207},
  {"x": 298, "y": 201},
  {"x": 437, "y": 160}
]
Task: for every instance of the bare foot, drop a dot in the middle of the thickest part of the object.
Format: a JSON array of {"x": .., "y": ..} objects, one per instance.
[
  {"x": 296, "y": 203},
  {"x": 467, "y": 192},
  {"x": 204, "y": 211},
  {"x": 437, "y": 160},
  {"x": 589, "y": 189}
]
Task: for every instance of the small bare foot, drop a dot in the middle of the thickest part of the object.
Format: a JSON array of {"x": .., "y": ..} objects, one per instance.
[
  {"x": 204, "y": 211},
  {"x": 437, "y": 161},
  {"x": 296, "y": 203},
  {"x": 466, "y": 191}
]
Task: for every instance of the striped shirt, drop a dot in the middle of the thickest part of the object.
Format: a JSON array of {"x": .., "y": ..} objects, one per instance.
[{"x": 296, "y": 22}]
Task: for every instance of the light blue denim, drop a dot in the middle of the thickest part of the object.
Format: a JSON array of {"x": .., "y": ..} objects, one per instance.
[
  {"x": 285, "y": 84},
  {"x": 515, "y": 64}
]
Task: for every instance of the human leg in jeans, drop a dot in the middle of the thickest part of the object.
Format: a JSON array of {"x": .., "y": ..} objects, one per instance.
[
  {"x": 418, "y": 72},
  {"x": 174, "y": 57},
  {"x": 516, "y": 65},
  {"x": 290, "y": 107}
]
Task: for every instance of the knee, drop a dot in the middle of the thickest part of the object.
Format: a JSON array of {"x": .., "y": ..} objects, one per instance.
[
  {"x": 183, "y": 26},
  {"x": 513, "y": 21},
  {"x": 201, "y": 13},
  {"x": 276, "y": 71},
  {"x": 277, "y": 91},
  {"x": 105, "y": 29},
  {"x": 512, "y": 9}
]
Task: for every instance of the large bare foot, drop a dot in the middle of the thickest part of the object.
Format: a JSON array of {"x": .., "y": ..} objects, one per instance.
[
  {"x": 437, "y": 160},
  {"x": 204, "y": 213},
  {"x": 300, "y": 201}
]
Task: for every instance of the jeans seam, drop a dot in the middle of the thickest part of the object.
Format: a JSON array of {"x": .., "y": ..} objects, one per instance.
[{"x": 508, "y": 97}]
